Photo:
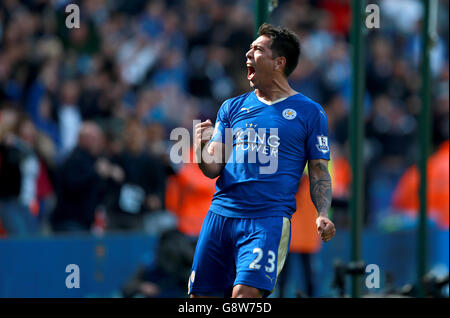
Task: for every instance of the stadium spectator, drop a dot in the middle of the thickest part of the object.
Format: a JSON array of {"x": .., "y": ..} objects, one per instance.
[
  {"x": 142, "y": 188},
  {"x": 189, "y": 196},
  {"x": 18, "y": 205},
  {"x": 406, "y": 196},
  {"x": 10, "y": 174},
  {"x": 69, "y": 116},
  {"x": 166, "y": 275},
  {"x": 81, "y": 182}
]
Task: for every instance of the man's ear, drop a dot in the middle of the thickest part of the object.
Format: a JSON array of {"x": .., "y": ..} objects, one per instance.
[{"x": 280, "y": 63}]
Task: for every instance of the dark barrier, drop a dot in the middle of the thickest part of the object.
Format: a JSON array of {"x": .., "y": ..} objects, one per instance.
[{"x": 37, "y": 267}]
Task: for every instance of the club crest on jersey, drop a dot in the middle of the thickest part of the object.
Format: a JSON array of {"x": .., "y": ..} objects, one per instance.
[
  {"x": 323, "y": 144},
  {"x": 289, "y": 113}
]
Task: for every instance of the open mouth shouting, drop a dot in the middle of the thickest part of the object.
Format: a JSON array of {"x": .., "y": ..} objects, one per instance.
[{"x": 250, "y": 71}]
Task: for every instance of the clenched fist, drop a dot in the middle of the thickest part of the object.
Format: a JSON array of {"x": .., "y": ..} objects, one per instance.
[
  {"x": 203, "y": 134},
  {"x": 325, "y": 228}
]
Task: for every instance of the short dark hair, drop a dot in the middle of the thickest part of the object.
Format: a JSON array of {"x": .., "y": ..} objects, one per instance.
[{"x": 284, "y": 43}]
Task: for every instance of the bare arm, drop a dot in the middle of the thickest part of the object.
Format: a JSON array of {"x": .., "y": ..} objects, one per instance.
[
  {"x": 213, "y": 169},
  {"x": 321, "y": 195},
  {"x": 320, "y": 185}
]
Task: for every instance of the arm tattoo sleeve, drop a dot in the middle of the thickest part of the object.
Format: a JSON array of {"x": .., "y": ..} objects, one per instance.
[{"x": 320, "y": 186}]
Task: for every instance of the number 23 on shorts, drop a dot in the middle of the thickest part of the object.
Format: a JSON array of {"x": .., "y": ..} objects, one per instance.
[{"x": 270, "y": 267}]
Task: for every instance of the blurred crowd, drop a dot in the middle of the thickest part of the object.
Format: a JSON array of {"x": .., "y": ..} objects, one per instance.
[{"x": 86, "y": 113}]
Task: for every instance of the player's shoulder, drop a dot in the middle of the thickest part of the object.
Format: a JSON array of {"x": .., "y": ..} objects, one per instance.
[
  {"x": 236, "y": 102},
  {"x": 307, "y": 106}
]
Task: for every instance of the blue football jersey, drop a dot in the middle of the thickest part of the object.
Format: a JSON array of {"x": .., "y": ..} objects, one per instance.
[{"x": 271, "y": 144}]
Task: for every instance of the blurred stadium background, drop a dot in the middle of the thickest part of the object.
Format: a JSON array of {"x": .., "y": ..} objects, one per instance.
[{"x": 85, "y": 120}]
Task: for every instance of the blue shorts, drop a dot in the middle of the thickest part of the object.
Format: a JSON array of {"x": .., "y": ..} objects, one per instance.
[{"x": 232, "y": 251}]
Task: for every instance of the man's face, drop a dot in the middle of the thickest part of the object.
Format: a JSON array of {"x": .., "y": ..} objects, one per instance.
[
  {"x": 135, "y": 138},
  {"x": 92, "y": 139},
  {"x": 260, "y": 62}
]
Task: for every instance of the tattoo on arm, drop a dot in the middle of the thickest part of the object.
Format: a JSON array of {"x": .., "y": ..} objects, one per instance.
[{"x": 320, "y": 186}]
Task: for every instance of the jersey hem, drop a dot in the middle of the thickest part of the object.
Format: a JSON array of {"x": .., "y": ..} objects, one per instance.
[{"x": 248, "y": 215}]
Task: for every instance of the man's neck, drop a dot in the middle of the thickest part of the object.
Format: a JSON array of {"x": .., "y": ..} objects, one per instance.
[{"x": 278, "y": 89}]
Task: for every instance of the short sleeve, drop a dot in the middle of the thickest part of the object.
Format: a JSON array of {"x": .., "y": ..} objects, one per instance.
[
  {"x": 222, "y": 123},
  {"x": 317, "y": 146}
]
